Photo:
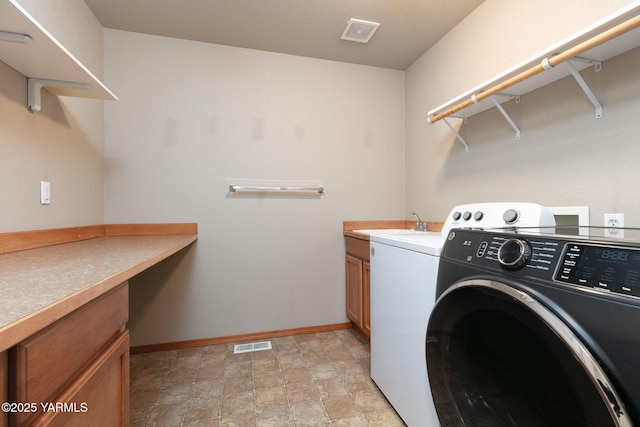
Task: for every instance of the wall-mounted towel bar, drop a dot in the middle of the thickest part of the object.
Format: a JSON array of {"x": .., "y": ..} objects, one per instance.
[{"x": 274, "y": 189}]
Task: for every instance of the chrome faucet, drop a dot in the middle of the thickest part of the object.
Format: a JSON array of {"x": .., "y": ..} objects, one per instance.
[{"x": 420, "y": 225}]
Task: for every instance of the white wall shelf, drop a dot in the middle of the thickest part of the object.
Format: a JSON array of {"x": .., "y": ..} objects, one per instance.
[
  {"x": 46, "y": 62},
  {"x": 476, "y": 100}
]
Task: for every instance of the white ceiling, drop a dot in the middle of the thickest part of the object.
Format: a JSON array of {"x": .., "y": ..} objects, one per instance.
[{"x": 309, "y": 28}]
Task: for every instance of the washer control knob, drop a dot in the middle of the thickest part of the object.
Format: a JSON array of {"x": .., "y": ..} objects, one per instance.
[
  {"x": 510, "y": 216},
  {"x": 514, "y": 253},
  {"x": 456, "y": 215},
  {"x": 466, "y": 216},
  {"x": 478, "y": 215}
]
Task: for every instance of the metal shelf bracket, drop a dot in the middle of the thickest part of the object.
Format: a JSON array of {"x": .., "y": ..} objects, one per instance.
[
  {"x": 455, "y": 132},
  {"x": 34, "y": 87},
  {"x": 505, "y": 115},
  {"x": 587, "y": 90},
  {"x": 597, "y": 64}
]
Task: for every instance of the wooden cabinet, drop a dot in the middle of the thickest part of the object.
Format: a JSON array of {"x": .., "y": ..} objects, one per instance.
[
  {"x": 100, "y": 394},
  {"x": 75, "y": 371},
  {"x": 4, "y": 387},
  {"x": 366, "y": 293},
  {"x": 64, "y": 340},
  {"x": 357, "y": 283},
  {"x": 354, "y": 289}
]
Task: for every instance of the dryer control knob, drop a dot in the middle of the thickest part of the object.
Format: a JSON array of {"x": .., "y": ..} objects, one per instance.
[
  {"x": 514, "y": 253},
  {"x": 510, "y": 216},
  {"x": 467, "y": 216}
]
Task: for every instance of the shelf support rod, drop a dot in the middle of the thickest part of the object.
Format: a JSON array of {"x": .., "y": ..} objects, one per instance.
[
  {"x": 587, "y": 90},
  {"x": 446, "y": 122},
  {"x": 506, "y": 116},
  {"x": 34, "y": 87}
]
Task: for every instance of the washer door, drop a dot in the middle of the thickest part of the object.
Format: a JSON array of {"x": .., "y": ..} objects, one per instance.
[{"x": 498, "y": 357}]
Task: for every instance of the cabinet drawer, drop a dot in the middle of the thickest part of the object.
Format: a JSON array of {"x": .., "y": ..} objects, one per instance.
[
  {"x": 357, "y": 247},
  {"x": 48, "y": 361},
  {"x": 99, "y": 397}
]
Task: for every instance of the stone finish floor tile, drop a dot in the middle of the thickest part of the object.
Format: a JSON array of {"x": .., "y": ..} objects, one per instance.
[{"x": 319, "y": 379}]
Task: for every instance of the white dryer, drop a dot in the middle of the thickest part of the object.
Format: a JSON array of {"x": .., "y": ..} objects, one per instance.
[{"x": 404, "y": 270}]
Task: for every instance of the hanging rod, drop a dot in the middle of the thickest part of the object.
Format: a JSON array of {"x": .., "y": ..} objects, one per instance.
[
  {"x": 274, "y": 189},
  {"x": 545, "y": 64}
]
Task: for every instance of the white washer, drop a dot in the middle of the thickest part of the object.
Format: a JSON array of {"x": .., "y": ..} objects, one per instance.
[{"x": 404, "y": 270}]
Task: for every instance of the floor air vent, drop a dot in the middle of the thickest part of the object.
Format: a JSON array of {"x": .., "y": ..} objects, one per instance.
[{"x": 254, "y": 346}]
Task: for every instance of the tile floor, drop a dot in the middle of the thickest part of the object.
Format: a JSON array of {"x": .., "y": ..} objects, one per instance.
[{"x": 319, "y": 379}]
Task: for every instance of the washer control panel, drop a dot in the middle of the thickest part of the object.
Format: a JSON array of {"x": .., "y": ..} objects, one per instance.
[
  {"x": 512, "y": 253},
  {"x": 610, "y": 268},
  {"x": 595, "y": 265}
]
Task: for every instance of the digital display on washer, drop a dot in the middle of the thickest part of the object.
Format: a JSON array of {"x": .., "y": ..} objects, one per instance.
[{"x": 609, "y": 268}]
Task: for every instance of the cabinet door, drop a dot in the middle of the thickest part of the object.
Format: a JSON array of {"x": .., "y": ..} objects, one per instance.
[
  {"x": 354, "y": 290},
  {"x": 99, "y": 397},
  {"x": 45, "y": 364},
  {"x": 4, "y": 386},
  {"x": 49, "y": 360},
  {"x": 366, "y": 305}
]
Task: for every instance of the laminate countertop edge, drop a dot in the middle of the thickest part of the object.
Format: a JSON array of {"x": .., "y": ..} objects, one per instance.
[{"x": 42, "y": 285}]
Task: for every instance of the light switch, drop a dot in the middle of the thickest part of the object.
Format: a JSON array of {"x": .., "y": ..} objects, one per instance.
[{"x": 45, "y": 193}]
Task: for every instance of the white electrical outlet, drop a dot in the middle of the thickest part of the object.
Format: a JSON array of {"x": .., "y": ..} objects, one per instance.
[
  {"x": 45, "y": 193},
  {"x": 614, "y": 225}
]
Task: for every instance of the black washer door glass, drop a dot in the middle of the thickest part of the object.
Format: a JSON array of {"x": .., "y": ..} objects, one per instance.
[{"x": 493, "y": 362}]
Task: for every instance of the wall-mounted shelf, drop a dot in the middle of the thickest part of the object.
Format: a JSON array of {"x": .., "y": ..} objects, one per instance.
[
  {"x": 45, "y": 61},
  {"x": 613, "y": 35}
]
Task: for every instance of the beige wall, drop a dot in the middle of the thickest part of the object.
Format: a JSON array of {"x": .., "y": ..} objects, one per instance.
[
  {"x": 193, "y": 115},
  {"x": 61, "y": 144},
  {"x": 565, "y": 156}
]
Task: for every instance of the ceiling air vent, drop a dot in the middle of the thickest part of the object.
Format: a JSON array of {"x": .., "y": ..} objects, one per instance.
[{"x": 359, "y": 31}]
